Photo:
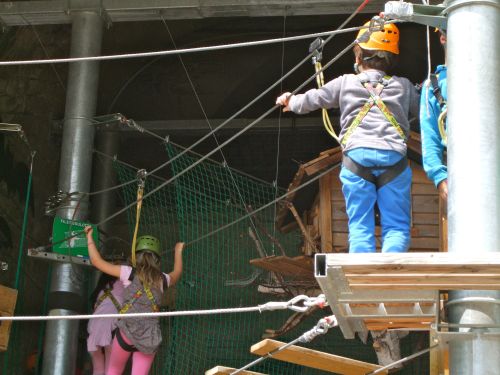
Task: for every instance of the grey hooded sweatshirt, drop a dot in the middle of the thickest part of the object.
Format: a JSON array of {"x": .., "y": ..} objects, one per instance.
[{"x": 348, "y": 94}]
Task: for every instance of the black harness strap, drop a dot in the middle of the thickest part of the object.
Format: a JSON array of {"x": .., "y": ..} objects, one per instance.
[
  {"x": 123, "y": 344},
  {"x": 390, "y": 173},
  {"x": 437, "y": 91}
]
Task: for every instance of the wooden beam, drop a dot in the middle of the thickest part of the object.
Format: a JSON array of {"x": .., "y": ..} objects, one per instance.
[
  {"x": 442, "y": 271},
  {"x": 220, "y": 370},
  {"x": 313, "y": 358}
]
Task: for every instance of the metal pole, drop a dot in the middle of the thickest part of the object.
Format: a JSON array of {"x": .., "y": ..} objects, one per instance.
[
  {"x": 474, "y": 170},
  {"x": 67, "y": 284}
]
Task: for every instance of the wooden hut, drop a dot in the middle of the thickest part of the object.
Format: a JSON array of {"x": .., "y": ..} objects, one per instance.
[{"x": 318, "y": 210}]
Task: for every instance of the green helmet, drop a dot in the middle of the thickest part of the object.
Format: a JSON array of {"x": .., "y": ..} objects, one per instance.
[{"x": 148, "y": 243}]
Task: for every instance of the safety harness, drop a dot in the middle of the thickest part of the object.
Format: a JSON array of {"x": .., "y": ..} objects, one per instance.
[
  {"x": 127, "y": 305},
  {"x": 374, "y": 99},
  {"x": 390, "y": 171}
]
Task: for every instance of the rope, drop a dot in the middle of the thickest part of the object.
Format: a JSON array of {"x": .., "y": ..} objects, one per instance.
[
  {"x": 175, "y": 52},
  {"x": 293, "y": 304},
  {"x": 320, "y": 328},
  {"x": 140, "y": 192}
]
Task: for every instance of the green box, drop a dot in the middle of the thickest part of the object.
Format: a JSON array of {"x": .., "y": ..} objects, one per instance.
[{"x": 76, "y": 246}]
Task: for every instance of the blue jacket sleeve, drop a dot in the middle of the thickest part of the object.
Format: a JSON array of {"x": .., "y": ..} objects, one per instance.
[{"x": 432, "y": 148}]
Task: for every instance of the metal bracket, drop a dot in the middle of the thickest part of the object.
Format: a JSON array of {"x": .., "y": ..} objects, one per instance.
[
  {"x": 430, "y": 15},
  {"x": 56, "y": 257}
]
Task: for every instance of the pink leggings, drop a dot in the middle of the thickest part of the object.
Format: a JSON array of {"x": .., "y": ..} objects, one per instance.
[{"x": 141, "y": 362}]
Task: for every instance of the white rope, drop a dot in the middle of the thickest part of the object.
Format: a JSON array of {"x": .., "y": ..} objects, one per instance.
[
  {"x": 307, "y": 303},
  {"x": 180, "y": 51}
]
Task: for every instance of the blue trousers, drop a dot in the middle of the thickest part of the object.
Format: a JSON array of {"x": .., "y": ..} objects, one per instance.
[{"x": 394, "y": 202}]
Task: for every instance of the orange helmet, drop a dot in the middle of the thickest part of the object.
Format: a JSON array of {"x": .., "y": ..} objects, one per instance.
[{"x": 386, "y": 40}]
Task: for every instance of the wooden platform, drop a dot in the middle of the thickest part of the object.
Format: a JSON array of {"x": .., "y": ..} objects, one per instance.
[
  {"x": 314, "y": 359},
  {"x": 433, "y": 271},
  {"x": 390, "y": 290}
]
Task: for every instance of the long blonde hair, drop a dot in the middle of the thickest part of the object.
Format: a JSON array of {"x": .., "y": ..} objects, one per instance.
[{"x": 148, "y": 269}]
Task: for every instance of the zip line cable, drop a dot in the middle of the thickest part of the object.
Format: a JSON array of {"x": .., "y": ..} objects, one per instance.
[
  {"x": 179, "y": 51},
  {"x": 300, "y": 303},
  {"x": 133, "y": 124},
  {"x": 246, "y": 128},
  {"x": 229, "y": 140}
]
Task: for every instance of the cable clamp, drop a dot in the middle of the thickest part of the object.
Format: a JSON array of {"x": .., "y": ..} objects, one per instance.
[
  {"x": 141, "y": 177},
  {"x": 134, "y": 125},
  {"x": 320, "y": 328}
]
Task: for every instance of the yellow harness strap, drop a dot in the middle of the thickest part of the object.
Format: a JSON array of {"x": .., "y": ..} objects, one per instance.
[{"x": 373, "y": 100}]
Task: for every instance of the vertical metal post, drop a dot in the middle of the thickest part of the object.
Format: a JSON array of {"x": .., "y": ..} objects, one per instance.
[
  {"x": 474, "y": 168},
  {"x": 66, "y": 289}
]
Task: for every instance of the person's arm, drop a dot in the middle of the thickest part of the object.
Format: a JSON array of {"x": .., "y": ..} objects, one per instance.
[
  {"x": 96, "y": 259},
  {"x": 432, "y": 148},
  {"x": 324, "y": 97},
  {"x": 176, "y": 273}
]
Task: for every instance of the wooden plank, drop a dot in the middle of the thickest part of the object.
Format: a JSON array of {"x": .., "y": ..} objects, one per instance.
[
  {"x": 395, "y": 261},
  {"x": 424, "y": 189},
  {"x": 314, "y": 359},
  {"x": 8, "y": 298},
  {"x": 442, "y": 271},
  {"x": 419, "y": 230},
  {"x": 323, "y": 162},
  {"x": 425, "y": 203},
  {"x": 325, "y": 206},
  {"x": 425, "y": 218},
  {"x": 220, "y": 370},
  {"x": 419, "y": 175}
]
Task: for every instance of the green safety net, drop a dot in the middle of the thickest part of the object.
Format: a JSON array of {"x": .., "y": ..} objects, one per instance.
[{"x": 217, "y": 272}]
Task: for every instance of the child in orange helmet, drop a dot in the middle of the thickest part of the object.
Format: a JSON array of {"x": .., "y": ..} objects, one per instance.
[{"x": 374, "y": 116}]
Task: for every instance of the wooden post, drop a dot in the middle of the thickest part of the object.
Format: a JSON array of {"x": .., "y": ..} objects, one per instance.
[{"x": 8, "y": 299}]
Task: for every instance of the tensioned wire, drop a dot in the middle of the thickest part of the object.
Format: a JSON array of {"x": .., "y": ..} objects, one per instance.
[
  {"x": 174, "y": 52},
  {"x": 246, "y": 128},
  {"x": 229, "y": 140},
  {"x": 237, "y": 113}
]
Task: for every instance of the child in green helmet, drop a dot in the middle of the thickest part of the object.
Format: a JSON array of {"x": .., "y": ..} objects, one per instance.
[{"x": 144, "y": 285}]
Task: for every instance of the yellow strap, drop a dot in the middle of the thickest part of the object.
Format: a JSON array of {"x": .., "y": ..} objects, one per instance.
[
  {"x": 374, "y": 99},
  {"x": 140, "y": 192},
  {"x": 136, "y": 296},
  {"x": 442, "y": 125},
  {"x": 320, "y": 79}
]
